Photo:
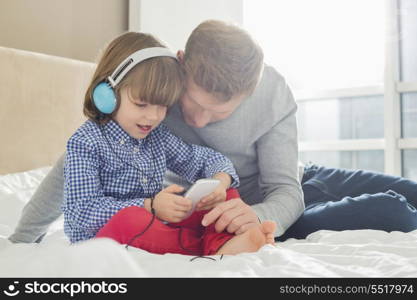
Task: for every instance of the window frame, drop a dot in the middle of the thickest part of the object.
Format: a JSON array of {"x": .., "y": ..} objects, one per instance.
[{"x": 392, "y": 144}]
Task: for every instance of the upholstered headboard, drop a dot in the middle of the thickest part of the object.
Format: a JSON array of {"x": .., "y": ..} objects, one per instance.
[{"x": 41, "y": 100}]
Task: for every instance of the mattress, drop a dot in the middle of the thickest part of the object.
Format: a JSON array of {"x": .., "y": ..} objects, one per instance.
[{"x": 358, "y": 253}]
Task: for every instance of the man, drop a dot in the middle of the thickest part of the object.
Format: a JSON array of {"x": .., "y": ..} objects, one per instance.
[{"x": 243, "y": 108}]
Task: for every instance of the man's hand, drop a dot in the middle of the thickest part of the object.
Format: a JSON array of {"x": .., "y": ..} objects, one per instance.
[{"x": 234, "y": 215}]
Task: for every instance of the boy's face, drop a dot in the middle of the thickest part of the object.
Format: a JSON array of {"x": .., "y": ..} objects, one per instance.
[
  {"x": 200, "y": 108},
  {"x": 136, "y": 117}
]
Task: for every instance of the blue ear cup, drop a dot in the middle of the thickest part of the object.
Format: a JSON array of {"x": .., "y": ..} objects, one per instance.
[{"x": 104, "y": 98}]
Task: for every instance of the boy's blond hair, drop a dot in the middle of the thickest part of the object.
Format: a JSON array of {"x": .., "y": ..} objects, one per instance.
[
  {"x": 157, "y": 80},
  {"x": 223, "y": 59}
]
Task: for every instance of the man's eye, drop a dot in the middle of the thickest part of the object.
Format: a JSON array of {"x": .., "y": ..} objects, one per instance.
[{"x": 141, "y": 105}]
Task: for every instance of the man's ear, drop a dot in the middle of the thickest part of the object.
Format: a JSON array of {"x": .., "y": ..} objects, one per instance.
[{"x": 180, "y": 56}]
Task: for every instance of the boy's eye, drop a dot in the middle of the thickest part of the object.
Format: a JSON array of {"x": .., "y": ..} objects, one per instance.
[{"x": 142, "y": 105}]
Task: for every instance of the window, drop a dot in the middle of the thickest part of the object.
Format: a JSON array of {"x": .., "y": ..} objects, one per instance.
[
  {"x": 410, "y": 164},
  {"x": 408, "y": 85},
  {"x": 409, "y": 114},
  {"x": 408, "y": 39},
  {"x": 343, "y": 118},
  {"x": 320, "y": 44},
  {"x": 353, "y": 70}
]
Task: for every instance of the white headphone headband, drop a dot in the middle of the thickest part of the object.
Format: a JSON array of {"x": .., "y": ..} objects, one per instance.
[{"x": 134, "y": 59}]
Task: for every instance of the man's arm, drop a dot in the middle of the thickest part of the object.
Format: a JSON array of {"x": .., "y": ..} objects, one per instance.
[
  {"x": 277, "y": 154},
  {"x": 278, "y": 165},
  {"x": 43, "y": 208}
]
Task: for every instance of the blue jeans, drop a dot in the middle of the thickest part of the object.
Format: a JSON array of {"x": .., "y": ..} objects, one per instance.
[{"x": 340, "y": 199}]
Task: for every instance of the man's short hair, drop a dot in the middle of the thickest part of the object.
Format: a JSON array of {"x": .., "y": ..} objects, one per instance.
[{"x": 223, "y": 59}]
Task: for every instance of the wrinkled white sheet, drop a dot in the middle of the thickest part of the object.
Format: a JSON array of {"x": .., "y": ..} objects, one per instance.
[{"x": 360, "y": 253}]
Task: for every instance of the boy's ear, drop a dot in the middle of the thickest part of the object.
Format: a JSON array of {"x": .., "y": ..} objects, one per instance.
[{"x": 180, "y": 56}]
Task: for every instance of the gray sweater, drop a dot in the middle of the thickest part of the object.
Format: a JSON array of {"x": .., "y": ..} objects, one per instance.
[{"x": 260, "y": 138}]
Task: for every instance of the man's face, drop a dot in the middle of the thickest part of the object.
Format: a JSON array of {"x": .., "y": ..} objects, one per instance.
[{"x": 201, "y": 108}]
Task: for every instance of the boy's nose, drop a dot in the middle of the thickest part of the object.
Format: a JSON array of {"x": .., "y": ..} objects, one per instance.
[{"x": 153, "y": 114}]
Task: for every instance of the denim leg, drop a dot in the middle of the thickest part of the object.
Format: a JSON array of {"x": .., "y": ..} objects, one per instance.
[
  {"x": 387, "y": 211},
  {"x": 336, "y": 184}
]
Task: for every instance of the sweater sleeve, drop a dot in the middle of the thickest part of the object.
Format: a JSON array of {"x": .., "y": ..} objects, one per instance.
[
  {"x": 194, "y": 162},
  {"x": 86, "y": 209},
  {"x": 277, "y": 152}
]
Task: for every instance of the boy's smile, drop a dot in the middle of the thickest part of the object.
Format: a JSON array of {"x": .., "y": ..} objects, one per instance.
[
  {"x": 136, "y": 117},
  {"x": 145, "y": 128}
]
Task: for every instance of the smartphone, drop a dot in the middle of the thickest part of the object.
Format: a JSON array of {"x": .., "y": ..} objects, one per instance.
[{"x": 199, "y": 190}]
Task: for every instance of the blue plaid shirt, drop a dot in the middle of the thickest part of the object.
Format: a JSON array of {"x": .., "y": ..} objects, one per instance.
[{"x": 106, "y": 170}]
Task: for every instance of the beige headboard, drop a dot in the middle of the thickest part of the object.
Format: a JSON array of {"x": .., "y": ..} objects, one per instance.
[{"x": 41, "y": 106}]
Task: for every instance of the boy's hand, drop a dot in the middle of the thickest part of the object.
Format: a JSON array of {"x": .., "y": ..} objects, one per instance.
[
  {"x": 169, "y": 206},
  {"x": 214, "y": 198}
]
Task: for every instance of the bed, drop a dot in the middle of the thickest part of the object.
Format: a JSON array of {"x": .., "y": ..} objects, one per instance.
[{"x": 41, "y": 106}]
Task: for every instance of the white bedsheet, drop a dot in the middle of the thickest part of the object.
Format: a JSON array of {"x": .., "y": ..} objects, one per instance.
[{"x": 360, "y": 253}]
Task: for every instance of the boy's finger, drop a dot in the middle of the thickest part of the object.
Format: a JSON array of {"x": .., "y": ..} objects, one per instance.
[
  {"x": 183, "y": 202},
  {"x": 174, "y": 188},
  {"x": 207, "y": 198},
  {"x": 182, "y": 210},
  {"x": 208, "y": 202}
]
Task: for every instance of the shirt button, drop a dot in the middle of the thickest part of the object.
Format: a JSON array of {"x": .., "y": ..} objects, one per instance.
[
  {"x": 144, "y": 180},
  {"x": 122, "y": 141},
  {"x": 135, "y": 149}
]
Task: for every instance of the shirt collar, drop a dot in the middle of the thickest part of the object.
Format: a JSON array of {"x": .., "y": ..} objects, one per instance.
[{"x": 118, "y": 135}]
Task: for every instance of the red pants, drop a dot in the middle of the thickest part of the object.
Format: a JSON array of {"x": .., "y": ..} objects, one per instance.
[{"x": 186, "y": 237}]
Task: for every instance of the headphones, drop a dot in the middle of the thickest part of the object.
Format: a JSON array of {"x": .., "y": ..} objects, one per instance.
[{"x": 104, "y": 97}]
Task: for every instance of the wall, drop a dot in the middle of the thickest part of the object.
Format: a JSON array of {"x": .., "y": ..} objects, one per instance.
[
  {"x": 75, "y": 29},
  {"x": 78, "y": 28},
  {"x": 173, "y": 20}
]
